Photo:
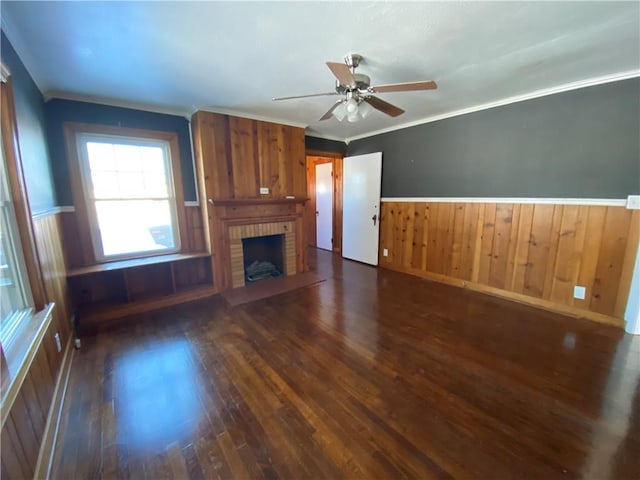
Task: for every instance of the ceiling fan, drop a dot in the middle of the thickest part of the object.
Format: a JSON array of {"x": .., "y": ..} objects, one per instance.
[{"x": 357, "y": 93}]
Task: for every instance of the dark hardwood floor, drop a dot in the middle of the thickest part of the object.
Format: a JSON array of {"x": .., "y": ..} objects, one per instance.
[{"x": 370, "y": 374}]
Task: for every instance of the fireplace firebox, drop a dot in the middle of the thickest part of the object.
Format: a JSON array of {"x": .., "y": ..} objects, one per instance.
[{"x": 263, "y": 257}]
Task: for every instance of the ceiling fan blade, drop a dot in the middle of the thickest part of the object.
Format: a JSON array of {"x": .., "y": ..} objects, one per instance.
[
  {"x": 405, "y": 87},
  {"x": 342, "y": 73},
  {"x": 329, "y": 113},
  {"x": 384, "y": 107},
  {"x": 306, "y": 96}
]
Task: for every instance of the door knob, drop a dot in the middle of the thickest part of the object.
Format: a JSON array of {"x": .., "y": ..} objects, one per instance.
[
  {"x": 374, "y": 218},
  {"x": 317, "y": 213}
]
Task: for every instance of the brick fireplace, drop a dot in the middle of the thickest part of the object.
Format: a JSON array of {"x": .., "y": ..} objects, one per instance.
[
  {"x": 233, "y": 220},
  {"x": 237, "y": 233}
]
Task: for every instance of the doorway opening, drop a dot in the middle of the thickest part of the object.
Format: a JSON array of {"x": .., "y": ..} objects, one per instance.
[{"x": 324, "y": 187}]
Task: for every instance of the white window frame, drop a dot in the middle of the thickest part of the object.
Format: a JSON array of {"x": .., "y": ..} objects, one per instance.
[{"x": 82, "y": 138}]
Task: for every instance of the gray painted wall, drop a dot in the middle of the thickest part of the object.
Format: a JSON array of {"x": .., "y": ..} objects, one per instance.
[
  {"x": 31, "y": 131},
  {"x": 583, "y": 143},
  {"x": 324, "y": 145}
]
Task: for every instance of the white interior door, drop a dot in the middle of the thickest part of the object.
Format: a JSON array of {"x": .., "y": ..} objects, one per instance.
[
  {"x": 324, "y": 206},
  {"x": 361, "y": 207}
]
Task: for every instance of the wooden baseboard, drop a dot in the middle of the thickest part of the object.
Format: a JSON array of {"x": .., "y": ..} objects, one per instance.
[
  {"x": 516, "y": 297},
  {"x": 47, "y": 447}
]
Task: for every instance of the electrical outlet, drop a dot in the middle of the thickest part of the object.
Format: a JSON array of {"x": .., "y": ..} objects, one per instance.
[
  {"x": 385, "y": 252},
  {"x": 264, "y": 190},
  {"x": 633, "y": 202},
  {"x": 579, "y": 292}
]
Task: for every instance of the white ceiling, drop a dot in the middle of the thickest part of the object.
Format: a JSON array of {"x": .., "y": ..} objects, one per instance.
[{"x": 233, "y": 57}]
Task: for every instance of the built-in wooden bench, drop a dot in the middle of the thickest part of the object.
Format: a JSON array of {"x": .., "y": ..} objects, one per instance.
[{"x": 112, "y": 290}]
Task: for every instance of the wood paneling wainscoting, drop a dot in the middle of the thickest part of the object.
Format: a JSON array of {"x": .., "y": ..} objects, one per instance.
[
  {"x": 31, "y": 407},
  {"x": 47, "y": 231},
  {"x": 530, "y": 252}
]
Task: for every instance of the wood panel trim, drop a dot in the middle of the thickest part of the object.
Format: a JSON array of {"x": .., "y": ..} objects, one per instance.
[
  {"x": 47, "y": 446},
  {"x": 322, "y": 153},
  {"x": 607, "y": 202}
]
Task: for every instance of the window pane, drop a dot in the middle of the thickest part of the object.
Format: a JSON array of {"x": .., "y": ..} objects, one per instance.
[
  {"x": 131, "y": 185},
  {"x": 155, "y": 185},
  {"x": 12, "y": 295},
  {"x": 101, "y": 156},
  {"x": 105, "y": 185},
  {"x": 133, "y": 226},
  {"x": 128, "y": 158},
  {"x": 152, "y": 159}
]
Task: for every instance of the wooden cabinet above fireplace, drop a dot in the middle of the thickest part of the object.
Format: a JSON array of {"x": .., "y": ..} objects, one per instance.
[{"x": 250, "y": 172}]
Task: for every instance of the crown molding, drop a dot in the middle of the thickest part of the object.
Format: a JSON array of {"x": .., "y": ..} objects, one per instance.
[
  {"x": 325, "y": 137},
  {"x": 567, "y": 87},
  {"x": 250, "y": 116},
  {"x": 110, "y": 102}
]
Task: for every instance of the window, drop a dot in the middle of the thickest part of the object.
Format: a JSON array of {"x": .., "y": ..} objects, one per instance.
[
  {"x": 15, "y": 295},
  {"x": 23, "y": 315},
  {"x": 129, "y": 195}
]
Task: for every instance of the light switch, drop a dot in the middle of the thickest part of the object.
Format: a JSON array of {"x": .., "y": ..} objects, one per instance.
[{"x": 385, "y": 252}]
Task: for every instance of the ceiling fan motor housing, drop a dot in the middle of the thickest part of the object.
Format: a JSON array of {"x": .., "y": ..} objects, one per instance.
[{"x": 362, "y": 83}]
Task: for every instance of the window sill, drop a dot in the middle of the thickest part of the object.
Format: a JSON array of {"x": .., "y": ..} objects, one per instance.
[
  {"x": 20, "y": 355},
  {"x": 132, "y": 263}
]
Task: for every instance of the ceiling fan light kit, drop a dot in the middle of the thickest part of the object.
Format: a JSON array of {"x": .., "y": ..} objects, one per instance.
[{"x": 358, "y": 99}]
